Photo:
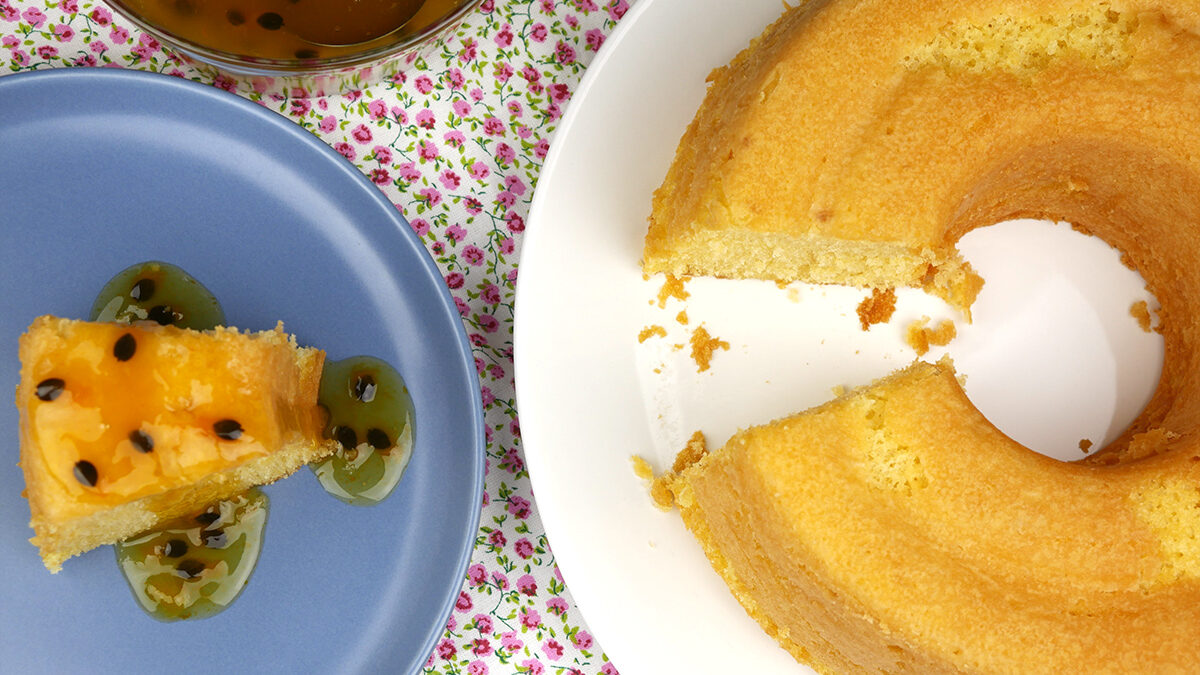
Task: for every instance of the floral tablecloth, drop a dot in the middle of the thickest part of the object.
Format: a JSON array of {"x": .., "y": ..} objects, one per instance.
[{"x": 455, "y": 140}]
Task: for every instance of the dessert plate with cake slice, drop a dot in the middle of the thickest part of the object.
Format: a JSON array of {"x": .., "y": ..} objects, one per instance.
[
  {"x": 616, "y": 370},
  {"x": 103, "y": 169}
]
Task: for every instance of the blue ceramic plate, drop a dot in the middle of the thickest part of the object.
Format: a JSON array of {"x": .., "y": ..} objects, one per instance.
[{"x": 100, "y": 169}]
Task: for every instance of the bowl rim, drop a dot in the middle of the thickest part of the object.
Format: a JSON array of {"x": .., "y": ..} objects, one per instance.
[{"x": 245, "y": 65}]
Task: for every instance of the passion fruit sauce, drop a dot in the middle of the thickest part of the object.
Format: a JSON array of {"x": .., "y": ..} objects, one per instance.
[
  {"x": 371, "y": 417},
  {"x": 195, "y": 569},
  {"x": 196, "y": 566},
  {"x": 160, "y": 292}
]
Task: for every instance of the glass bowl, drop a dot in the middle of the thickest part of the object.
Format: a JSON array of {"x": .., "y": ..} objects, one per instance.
[{"x": 297, "y": 47}]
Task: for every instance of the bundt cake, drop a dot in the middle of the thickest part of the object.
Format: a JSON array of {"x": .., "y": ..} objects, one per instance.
[
  {"x": 895, "y": 530},
  {"x": 125, "y": 426},
  {"x": 854, "y": 142}
]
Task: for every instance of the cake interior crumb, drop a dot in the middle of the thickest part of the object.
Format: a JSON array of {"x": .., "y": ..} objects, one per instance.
[
  {"x": 921, "y": 337},
  {"x": 641, "y": 467},
  {"x": 672, "y": 288},
  {"x": 877, "y": 307},
  {"x": 1140, "y": 310},
  {"x": 703, "y": 347},
  {"x": 660, "y": 488},
  {"x": 651, "y": 331}
]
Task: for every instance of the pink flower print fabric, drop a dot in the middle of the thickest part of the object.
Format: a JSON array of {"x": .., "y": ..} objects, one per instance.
[{"x": 456, "y": 141}]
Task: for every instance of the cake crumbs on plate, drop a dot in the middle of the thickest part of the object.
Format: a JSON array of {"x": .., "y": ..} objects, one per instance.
[
  {"x": 682, "y": 317},
  {"x": 1085, "y": 445},
  {"x": 920, "y": 337},
  {"x": 703, "y": 347},
  {"x": 1140, "y": 310},
  {"x": 651, "y": 331},
  {"x": 877, "y": 307},
  {"x": 660, "y": 487},
  {"x": 672, "y": 288},
  {"x": 641, "y": 467}
]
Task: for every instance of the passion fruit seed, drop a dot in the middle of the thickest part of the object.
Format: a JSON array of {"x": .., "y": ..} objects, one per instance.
[
  {"x": 363, "y": 388},
  {"x": 214, "y": 538},
  {"x": 125, "y": 347},
  {"x": 346, "y": 436},
  {"x": 207, "y": 518},
  {"x": 176, "y": 548},
  {"x": 379, "y": 439},
  {"x": 142, "y": 441},
  {"x": 229, "y": 430},
  {"x": 49, "y": 389},
  {"x": 143, "y": 290},
  {"x": 163, "y": 315},
  {"x": 85, "y": 473},
  {"x": 270, "y": 21},
  {"x": 190, "y": 569}
]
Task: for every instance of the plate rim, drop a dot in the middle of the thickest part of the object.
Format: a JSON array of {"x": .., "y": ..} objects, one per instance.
[
  {"x": 539, "y": 459},
  {"x": 294, "y": 133}
]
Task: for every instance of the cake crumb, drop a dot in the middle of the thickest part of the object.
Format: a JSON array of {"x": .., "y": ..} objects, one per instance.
[
  {"x": 682, "y": 317},
  {"x": 660, "y": 493},
  {"x": 703, "y": 346},
  {"x": 1085, "y": 445},
  {"x": 1141, "y": 311},
  {"x": 920, "y": 337},
  {"x": 650, "y": 331},
  {"x": 695, "y": 450},
  {"x": 660, "y": 488},
  {"x": 839, "y": 390},
  {"x": 641, "y": 467},
  {"x": 877, "y": 307},
  {"x": 1148, "y": 443},
  {"x": 672, "y": 288}
]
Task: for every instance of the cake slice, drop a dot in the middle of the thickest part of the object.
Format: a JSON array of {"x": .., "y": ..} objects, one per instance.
[
  {"x": 126, "y": 426},
  {"x": 894, "y": 529}
]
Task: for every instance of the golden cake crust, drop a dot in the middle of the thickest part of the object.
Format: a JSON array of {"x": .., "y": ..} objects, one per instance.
[
  {"x": 283, "y": 432},
  {"x": 894, "y": 529}
]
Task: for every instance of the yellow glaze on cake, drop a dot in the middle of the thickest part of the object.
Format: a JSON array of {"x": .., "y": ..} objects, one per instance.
[
  {"x": 174, "y": 386},
  {"x": 895, "y": 530}
]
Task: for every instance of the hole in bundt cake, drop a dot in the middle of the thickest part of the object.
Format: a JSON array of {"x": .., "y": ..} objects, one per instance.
[
  {"x": 1142, "y": 202},
  {"x": 1054, "y": 356}
]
